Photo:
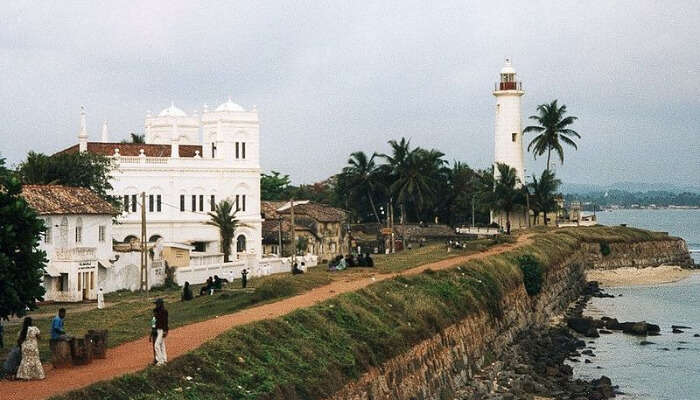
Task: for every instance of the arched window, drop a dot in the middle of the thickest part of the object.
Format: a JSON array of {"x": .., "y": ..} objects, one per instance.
[
  {"x": 154, "y": 238},
  {"x": 48, "y": 235},
  {"x": 131, "y": 239},
  {"x": 64, "y": 231},
  {"x": 79, "y": 230},
  {"x": 240, "y": 244}
]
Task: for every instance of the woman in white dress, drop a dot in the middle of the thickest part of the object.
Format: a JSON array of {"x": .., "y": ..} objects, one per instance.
[{"x": 30, "y": 368}]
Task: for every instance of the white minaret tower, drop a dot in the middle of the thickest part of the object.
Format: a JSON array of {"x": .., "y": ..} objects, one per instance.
[
  {"x": 509, "y": 134},
  {"x": 82, "y": 135}
]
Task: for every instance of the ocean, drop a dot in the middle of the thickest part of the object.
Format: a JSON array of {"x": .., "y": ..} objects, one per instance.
[{"x": 668, "y": 369}]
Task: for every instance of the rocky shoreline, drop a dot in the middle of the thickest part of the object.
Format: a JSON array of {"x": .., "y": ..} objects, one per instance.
[{"x": 534, "y": 366}]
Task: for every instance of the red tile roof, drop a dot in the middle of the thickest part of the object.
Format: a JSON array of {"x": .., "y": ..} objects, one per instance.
[
  {"x": 58, "y": 199},
  {"x": 134, "y": 149}
]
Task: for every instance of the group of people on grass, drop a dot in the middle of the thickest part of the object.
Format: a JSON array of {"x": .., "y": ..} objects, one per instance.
[
  {"x": 23, "y": 360},
  {"x": 340, "y": 263}
]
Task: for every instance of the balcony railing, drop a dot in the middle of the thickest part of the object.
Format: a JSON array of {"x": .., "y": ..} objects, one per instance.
[{"x": 509, "y": 86}]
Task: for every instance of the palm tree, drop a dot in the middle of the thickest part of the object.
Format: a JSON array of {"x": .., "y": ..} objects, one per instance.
[
  {"x": 506, "y": 194},
  {"x": 362, "y": 172},
  {"x": 136, "y": 138},
  {"x": 396, "y": 166},
  {"x": 224, "y": 218},
  {"x": 552, "y": 130},
  {"x": 544, "y": 190}
]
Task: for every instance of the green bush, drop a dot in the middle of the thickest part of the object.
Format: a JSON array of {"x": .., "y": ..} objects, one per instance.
[
  {"x": 532, "y": 274},
  {"x": 604, "y": 249}
]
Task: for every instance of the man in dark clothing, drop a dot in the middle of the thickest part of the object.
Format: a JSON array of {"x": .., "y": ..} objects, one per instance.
[
  {"x": 244, "y": 278},
  {"x": 161, "y": 315},
  {"x": 217, "y": 282},
  {"x": 368, "y": 260},
  {"x": 187, "y": 292}
]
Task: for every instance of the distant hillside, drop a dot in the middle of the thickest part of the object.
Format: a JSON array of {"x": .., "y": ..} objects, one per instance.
[{"x": 632, "y": 187}]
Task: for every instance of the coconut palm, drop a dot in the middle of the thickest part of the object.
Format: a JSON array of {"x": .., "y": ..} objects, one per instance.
[
  {"x": 224, "y": 218},
  {"x": 362, "y": 174},
  {"x": 544, "y": 191},
  {"x": 506, "y": 194},
  {"x": 552, "y": 131}
]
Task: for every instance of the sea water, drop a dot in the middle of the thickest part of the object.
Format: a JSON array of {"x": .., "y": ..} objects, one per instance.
[{"x": 668, "y": 369}]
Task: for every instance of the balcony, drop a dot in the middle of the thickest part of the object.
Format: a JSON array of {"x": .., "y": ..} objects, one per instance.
[
  {"x": 75, "y": 254},
  {"x": 509, "y": 86}
]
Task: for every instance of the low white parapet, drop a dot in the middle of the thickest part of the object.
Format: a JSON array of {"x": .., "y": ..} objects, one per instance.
[{"x": 473, "y": 230}]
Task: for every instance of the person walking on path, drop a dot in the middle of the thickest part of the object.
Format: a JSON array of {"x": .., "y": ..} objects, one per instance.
[
  {"x": 100, "y": 299},
  {"x": 244, "y": 278},
  {"x": 57, "y": 331},
  {"x": 161, "y": 332},
  {"x": 30, "y": 367},
  {"x": 152, "y": 337}
]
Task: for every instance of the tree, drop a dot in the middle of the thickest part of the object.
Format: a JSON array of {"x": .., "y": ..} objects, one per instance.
[
  {"x": 135, "y": 138},
  {"x": 84, "y": 169},
  {"x": 362, "y": 174},
  {"x": 273, "y": 186},
  {"x": 506, "y": 194},
  {"x": 544, "y": 191},
  {"x": 224, "y": 218},
  {"x": 552, "y": 131},
  {"x": 22, "y": 263}
]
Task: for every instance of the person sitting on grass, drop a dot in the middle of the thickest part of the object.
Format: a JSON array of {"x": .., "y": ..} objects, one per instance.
[
  {"x": 342, "y": 264},
  {"x": 207, "y": 288},
  {"x": 187, "y": 292},
  {"x": 217, "y": 282},
  {"x": 296, "y": 270},
  {"x": 368, "y": 260}
]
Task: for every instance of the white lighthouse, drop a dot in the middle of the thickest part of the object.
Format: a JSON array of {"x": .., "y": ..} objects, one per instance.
[{"x": 509, "y": 135}]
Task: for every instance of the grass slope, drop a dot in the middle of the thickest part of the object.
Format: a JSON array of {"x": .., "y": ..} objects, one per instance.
[{"x": 313, "y": 352}]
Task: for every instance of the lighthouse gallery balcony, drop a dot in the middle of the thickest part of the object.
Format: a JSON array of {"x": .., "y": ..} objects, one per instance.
[{"x": 508, "y": 86}]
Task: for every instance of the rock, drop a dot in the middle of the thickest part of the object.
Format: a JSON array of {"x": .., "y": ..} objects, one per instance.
[
  {"x": 588, "y": 353},
  {"x": 612, "y": 323},
  {"x": 680, "y": 327},
  {"x": 696, "y": 335},
  {"x": 665, "y": 349},
  {"x": 587, "y": 361},
  {"x": 640, "y": 328},
  {"x": 681, "y": 348},
  {"x": 581, "y": 325},
  {"x": 644, "y": 343},
  {"x": 604, "y": 332},
  {"x": 676, "y": 330}
]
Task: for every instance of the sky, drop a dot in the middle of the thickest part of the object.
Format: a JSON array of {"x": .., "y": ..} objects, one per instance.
[{"x": 332, "y": 77}]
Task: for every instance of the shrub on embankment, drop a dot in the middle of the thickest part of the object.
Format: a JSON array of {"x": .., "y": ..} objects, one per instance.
[{"x": 312, "y": 353}]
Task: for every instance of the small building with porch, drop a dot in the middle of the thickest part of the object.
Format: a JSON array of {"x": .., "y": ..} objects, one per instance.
[{"x": 78, "y": 237}]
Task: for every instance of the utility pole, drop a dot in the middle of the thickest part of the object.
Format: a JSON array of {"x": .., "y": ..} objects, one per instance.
[
  {"x": 391, "y": 216},
  {"x": 527, "y": 200},
  {"x": 279, "y": 236},
  {"x": 294, "y": 238},
  {"x": 144, "y": 245},
  {"x": 473, "y": 199}
]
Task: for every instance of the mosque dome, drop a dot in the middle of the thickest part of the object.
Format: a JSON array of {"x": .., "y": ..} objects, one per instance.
[
  {"x": 172, "y": 111},
  {"x": 229, "y": 106}
]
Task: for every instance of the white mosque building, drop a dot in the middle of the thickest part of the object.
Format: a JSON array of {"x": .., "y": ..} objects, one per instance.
[{"x": 187, "y": 164}]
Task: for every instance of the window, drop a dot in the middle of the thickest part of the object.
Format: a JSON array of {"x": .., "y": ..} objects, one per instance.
[
  {"x": 63, "y": 283},
  {"x": 64, "y": 232},
  {"x": 238, "y": 207},
  {"x": 243, "y": 206},
  {"x": 240, "y": 244},
  {"x": 150, "y": 203},
  {"x": 133, "y": 203},
  {"x": 194, "y": 202},
  {"x": 48, "y": 233},
  {"x": 243, "y": 150},
  {"x": 126, "y": 203},
  {"x": 213, "y": 203},
  {"x": 158, "y": 203},
  {"x": 79, "y": 230},
  {"x": 201, "y": 202},
  {"x": 237, "y": 148},
  {"x": 182, "y": 202},
  {"x": 515, "y": 137},
  {"x": 101, "y": 233}
]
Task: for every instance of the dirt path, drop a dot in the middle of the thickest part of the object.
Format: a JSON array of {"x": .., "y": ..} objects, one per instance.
[{"x": 137, "y": 355}]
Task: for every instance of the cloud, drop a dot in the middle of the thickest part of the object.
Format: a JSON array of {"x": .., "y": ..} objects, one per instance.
[{"x": 333, "y": 77}]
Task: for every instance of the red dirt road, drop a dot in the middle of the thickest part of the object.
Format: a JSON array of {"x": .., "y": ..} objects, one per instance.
[{"x": 137, "y": 355}]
